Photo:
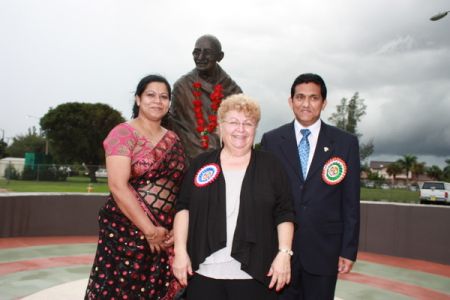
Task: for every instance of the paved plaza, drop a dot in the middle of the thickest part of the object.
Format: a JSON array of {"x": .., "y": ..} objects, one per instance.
[{"x": 46, "y": 268}]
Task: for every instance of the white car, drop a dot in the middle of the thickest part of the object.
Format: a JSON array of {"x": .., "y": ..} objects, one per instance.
[
  {"x": 384, "y": 186},
  {"x": 435, "y": 192},
  {"x": 101, "y": 173}
]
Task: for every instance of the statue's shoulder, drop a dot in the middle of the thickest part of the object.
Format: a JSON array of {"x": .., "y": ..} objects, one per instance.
[
  {"x": 228, "y": 83},
  {"x": 185, "y": 80}
]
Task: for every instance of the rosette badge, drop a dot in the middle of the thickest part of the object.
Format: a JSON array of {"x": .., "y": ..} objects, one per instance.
[
  {"x": 334, "y": 171},
  {"x": 206, "y": 175}
]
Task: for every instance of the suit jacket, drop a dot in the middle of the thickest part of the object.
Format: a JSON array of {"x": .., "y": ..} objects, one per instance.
[{"x": 327, "y": 214}]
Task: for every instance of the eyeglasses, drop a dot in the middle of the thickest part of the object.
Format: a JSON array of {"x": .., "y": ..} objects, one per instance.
[{"x": 236, "y": 124}]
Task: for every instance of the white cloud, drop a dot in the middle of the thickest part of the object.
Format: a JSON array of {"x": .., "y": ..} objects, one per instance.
[{"x": 401, "y": 44}]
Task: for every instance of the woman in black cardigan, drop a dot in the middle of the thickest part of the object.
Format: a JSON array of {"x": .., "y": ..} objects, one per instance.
[{"x": 234, "y": 221}]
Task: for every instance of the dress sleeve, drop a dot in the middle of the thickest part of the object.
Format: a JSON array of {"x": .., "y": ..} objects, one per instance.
[{"x": 121, "y": 141}]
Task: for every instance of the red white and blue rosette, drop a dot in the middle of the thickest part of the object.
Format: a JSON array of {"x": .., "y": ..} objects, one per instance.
[
  {"x": 334, "y": 171},
  {"x": 206, "y": 174}
]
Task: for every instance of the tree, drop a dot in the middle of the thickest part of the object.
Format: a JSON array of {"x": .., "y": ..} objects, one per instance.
[
  {"x": 406, "y": 163},
  {"x": 366, "y": 150},
  {"x": 393, "y": 170},
  {"x": 31, "y": 142},
  {"x": 417, "y": 169},
  {"x": 3, "y": 146},
  {"x": 76, "y": 132},
  {"x": 347, "y": 116},
  {"x": 434, "y": 172},
  {"x": 446, "y": 171}
]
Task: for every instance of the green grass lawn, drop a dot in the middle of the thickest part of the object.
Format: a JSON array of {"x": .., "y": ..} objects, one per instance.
[
  {"x": 80, "y": 185},
  {"x": 72, "y": 185},
  {"x": 391, "y": 195}
]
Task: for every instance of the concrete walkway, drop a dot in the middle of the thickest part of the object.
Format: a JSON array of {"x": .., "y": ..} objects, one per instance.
[
  {"x": 58, "y": 268},
  {"x": 73, "y": 290}
]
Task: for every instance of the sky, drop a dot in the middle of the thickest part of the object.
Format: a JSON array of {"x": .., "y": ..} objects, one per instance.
[{"x": 57, "y": 51}]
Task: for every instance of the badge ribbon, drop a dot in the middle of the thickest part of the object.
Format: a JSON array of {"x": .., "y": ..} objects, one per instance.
[
  {"x": 206, "y": 174},
  {"x": 334, "y": 171}
]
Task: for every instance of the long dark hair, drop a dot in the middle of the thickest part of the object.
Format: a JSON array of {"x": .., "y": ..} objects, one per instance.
[{"x": 142, "y": 85}]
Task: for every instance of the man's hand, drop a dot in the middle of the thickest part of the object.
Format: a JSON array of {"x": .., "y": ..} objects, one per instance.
[{"x": 345, "y": 265}]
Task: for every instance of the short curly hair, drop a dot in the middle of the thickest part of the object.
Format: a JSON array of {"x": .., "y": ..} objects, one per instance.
[{"x": 240, "y": 103}]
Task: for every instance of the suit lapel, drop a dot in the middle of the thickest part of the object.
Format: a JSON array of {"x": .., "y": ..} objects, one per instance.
[
  {"x": 323, "y": 152},
  {"x": 288, "y": 147}
]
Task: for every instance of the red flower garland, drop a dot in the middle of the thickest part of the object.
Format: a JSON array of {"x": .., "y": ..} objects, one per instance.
[{"x": 203, "y": 128}]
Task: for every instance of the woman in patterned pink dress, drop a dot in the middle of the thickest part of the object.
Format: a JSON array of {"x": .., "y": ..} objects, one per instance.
[{"x": 145, "y": 164}]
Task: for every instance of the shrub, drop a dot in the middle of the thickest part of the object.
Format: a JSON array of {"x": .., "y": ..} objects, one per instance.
[
  {"x": 28, "y": 173},
  {"x": 44, "y": 172},
  {"x": 11, "y": 172}
]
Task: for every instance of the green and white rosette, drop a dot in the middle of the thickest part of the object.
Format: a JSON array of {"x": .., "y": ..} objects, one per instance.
[{"x": 334, "y": 171}]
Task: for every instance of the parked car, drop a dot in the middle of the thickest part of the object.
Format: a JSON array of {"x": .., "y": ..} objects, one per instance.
[
  {"x": 414, "y": 187},
  {"x": 435, "y": 192},
  {"x": 370, "y": 184},
  {"x": 101, "y": 173},
  {"x": 384, "y": 186},
  {"x": 400, "y": 186}
]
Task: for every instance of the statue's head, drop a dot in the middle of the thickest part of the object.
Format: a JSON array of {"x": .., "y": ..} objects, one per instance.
[{"x": 207, "y": 53}]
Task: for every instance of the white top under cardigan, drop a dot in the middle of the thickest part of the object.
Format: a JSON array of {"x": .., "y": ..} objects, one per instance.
[{"x": 220, "y": 264}]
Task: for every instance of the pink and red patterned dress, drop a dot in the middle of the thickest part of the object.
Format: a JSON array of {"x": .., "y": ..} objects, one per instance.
[{"x": 124, "y": 267}]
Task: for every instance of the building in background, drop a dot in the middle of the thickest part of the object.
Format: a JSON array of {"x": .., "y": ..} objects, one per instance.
[{"x": 17, "y": 163}]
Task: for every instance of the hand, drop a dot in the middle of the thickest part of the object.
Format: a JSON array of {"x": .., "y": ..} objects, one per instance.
[
  {"x": 169, "y": 240},
  {"x": 345, "y": 265},
  {"x": 280, "y": 270},
  {"x": 182, "y": 267},
  {"x": 156, "y": 240}
]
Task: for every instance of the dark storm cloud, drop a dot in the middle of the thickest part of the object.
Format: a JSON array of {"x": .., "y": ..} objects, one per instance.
[{"x": 388, "y": 51}]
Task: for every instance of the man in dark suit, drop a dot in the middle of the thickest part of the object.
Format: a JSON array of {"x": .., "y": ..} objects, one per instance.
[{"x": 323, "y": 165}]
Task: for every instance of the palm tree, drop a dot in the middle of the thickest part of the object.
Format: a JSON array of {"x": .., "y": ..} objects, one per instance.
[
  {"x": 406, "y": 163},
  {"x": 393, "y": 170},
  {"x": 434, "y": 172},
  {"x": 446, "y": 170},
  {"x": 417, "y": 169}
]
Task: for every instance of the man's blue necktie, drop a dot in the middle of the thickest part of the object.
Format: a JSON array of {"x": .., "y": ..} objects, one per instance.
[{"x": 303, "y": 150}]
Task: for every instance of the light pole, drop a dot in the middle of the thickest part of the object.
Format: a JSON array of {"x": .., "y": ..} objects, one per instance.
[
  {"x": 4, "y": 138},
  {"x": 439, "y": 15}
]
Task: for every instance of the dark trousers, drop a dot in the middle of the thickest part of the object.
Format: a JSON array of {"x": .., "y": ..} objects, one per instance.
[
  {"x": 307, "y": 286},
  {"x": 205, "y": 288}
]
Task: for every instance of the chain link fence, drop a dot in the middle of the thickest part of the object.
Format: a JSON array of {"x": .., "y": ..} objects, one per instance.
[{"x": 16, "y": 169}]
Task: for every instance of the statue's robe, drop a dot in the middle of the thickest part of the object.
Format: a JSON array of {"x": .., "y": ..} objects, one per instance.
[{"x": 182, "y": 118}]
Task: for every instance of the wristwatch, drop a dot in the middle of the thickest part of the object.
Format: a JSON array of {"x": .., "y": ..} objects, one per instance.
[{"x": 287, "y": 251}]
